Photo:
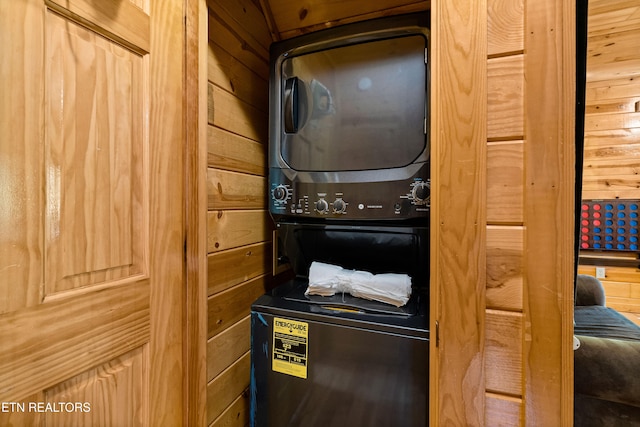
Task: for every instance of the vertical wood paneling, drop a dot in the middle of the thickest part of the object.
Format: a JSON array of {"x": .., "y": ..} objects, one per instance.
[
  {"x": 166, "y": 222},
  {"x": 195, "y": 378},
  {"x": 21, "y": 162},
  {"x": 458, "y": 216},
  {"x": 549, "y": 211}
]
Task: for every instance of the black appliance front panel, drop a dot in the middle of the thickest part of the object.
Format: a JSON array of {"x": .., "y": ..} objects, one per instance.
[
  {"x": 307, "y": 196},
  {"x": 349, "y": 123},
  {"x": 345, "y": 372}
]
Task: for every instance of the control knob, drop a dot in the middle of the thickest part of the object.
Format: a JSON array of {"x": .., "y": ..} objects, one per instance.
[
  {"x": 280, "y": 193},
  {"x": 339, "y": 206},
  {"x": 322, "y": 206},
  {"x": 420, "y": 193}
]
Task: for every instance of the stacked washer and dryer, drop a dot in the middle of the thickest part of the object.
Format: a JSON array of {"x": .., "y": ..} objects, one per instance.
[{"x": 349, "y": 193}]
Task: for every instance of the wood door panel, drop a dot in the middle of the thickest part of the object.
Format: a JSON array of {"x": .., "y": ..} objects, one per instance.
[
  {"x": 94, "y": 158},
  {"x": 121, "y": 21},
  {"x": 111, "y": 394},
  {"x": 46, "y": 345},
  {"x": 21, "y": 158},
  {"x": 91, "y": 210}
]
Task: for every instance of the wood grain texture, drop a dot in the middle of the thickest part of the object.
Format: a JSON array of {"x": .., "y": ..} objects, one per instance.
[
  {"x": 103, "y": 132},
  {"x": 613, "y": 16},
  {"x": 120, "y": 21},
  {"x": 224, "y": 390},
  {"x": 612, "y": 141},
  {"x": 230, "y": 190},
  {"x": 228, "y": 112},
  {"x": 228, "y": 268},
  {"x": 236, "y": 414},
  {"x": 228, "y": 346},
  {"x": 505, "y": 113},
  {"x": 504, "y": 352},
  {"x": 505, "y": 257},
  {"x": 503, "y": 411},
  {"x": 246, "y": 11},
  {"x": 549, "y": 174},
  {"x": 166, "y": 192},
  {"x": 232, "y": 229},
  {"x": 505, "y": 182},
  {"x": 94, "y": 157},
  {"x": 195, "y": 95},
  {"x": 421, "y": 6},
  {"x": 505, "y": 31},
  {"x": 229, "y": 151},
  {"x": 290, "y": 15},
  {"x": 238, "y": 232},
  {"x": 235, "y": 77},
  {"x": 43, "y": 347},
  {"x": 614, "y": 54},
  {"x": 236, "y": 39},
  {"x": 20, "y": 418},
  {"x": 115, "y": 392},
  {"x": 21, "y": 162},
  {"x": 234, "y": 304},
  {"x": 458, "y": 216}
]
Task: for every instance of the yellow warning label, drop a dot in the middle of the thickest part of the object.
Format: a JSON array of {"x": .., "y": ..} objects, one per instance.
[{"x": 290, "y": 347}]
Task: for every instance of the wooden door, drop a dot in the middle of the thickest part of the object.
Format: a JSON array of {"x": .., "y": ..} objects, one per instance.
[{"x": 91, "y": 217}]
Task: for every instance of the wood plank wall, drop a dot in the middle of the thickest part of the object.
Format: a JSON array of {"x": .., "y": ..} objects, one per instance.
[
  {"x": 458, "y": 212},
  {"x": 238, "y": 228},
  {"x": 612, "y": 126}
]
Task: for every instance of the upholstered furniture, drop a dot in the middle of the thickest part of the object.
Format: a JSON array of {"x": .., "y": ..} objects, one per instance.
[{"x": 607, "y": 363}]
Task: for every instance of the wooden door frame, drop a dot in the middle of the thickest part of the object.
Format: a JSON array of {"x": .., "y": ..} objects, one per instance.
[
  {"x": 458, "y": 241},
  {"x": 195, "y": 205},
  {"x": 550, "y": 82}
]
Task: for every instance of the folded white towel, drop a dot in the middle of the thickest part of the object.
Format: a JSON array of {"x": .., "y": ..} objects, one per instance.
[{"x": 327, "y": 280}]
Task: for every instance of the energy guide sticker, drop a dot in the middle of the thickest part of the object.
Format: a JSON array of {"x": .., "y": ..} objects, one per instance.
[{"x": 290, "y": 347}]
